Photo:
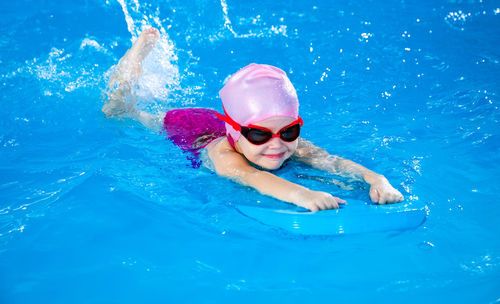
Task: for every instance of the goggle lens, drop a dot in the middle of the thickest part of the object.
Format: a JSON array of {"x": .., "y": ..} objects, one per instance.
[
  {"x": 291, "y": 133},
  {"x": 259, "y": 137}
]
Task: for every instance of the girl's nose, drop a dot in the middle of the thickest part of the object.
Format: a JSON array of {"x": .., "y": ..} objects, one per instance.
[{"x": 275, "y": 142}]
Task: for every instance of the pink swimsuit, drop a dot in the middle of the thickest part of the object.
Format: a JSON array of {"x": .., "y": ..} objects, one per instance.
[{"x": 192, "y": 129}]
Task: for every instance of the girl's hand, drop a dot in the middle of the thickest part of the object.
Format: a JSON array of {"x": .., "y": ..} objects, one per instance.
[
  {"x": 317, "y": 200},
  {"x": 382, "y": 192}
]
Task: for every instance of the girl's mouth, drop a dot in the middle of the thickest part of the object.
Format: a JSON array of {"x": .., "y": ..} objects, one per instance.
[{"x": 274, "y": 156}]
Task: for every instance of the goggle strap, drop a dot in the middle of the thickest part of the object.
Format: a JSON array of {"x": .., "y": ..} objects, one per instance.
[{"x": 228, "y": 120}]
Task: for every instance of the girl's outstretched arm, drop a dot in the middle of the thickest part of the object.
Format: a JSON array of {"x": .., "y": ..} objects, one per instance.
[
  {"x": 231, "y": 164},
  {"x": 381, "y": 191},
  {"x": 120, "y": 100}
]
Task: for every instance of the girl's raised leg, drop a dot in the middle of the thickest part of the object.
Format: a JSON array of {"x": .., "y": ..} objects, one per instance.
[{"x": 125, "y": 76}]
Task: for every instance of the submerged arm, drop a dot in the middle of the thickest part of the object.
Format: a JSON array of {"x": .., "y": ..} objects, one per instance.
[
  {"x": 381, "y": 190},
  {"x": 233, "y": 165}
]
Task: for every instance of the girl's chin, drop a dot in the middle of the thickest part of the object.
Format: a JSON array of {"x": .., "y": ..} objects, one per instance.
[{"x": 271, "y": 164}]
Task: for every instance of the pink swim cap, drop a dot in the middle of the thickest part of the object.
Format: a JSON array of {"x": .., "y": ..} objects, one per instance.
[{"x": 257, "y": 92}]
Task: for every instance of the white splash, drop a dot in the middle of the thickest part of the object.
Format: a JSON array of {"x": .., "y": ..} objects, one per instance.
[
  {"x": 86, "y": 42},
  {"x": 227, "y": 22}
]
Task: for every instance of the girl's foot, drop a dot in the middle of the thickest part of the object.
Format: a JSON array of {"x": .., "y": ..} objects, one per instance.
[{"x": 140, "y": 49}]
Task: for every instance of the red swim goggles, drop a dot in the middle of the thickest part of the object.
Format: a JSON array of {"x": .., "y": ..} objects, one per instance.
[{"x": 259, "y": 135}]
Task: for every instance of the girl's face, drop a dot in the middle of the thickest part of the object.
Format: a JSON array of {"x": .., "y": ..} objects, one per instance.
[{"x": 273, "y": 153}]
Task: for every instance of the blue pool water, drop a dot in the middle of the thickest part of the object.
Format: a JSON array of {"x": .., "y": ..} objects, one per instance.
[{"x": 96, "y": 210}]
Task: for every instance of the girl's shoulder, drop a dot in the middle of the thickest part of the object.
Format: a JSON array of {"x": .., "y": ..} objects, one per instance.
[{"x": 219, "y": 144}]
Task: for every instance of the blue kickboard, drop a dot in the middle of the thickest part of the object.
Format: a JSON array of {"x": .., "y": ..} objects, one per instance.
[{"x": 355, "y": 217}]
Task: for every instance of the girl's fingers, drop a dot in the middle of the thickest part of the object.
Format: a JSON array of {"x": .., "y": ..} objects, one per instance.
[
  {"x": 325, "y": 202},
  {"x": 399, "y": 197},
  {"x": 313, "y": 208},
  {"x": 381, "y": 198},
  {"x": 340, "y": 201},
  {"x": 394, "y": 197},
  {"x": 333, "y": 204},
  {"x": 374, "y": 195}
]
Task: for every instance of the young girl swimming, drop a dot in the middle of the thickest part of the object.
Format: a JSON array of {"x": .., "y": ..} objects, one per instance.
[{"x": 258, "y": 132}]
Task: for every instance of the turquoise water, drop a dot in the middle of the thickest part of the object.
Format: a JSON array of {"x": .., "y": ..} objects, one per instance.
[{"x": 94, "y": 210}]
